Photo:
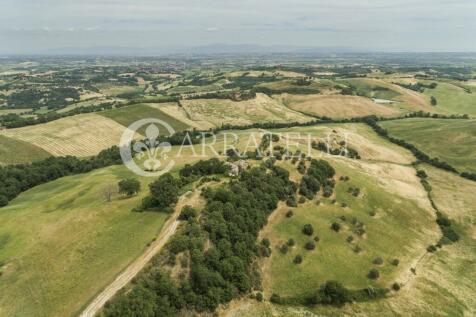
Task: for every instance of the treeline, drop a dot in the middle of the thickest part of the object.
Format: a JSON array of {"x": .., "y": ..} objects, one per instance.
[
  {"x": 15, "y": 179},
  {"x": 220, "y": 269},
  {"x": 418, "y": 87},
  {"x": 34, "y": 98}
]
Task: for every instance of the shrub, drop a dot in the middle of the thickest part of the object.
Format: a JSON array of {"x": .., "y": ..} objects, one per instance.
[
  {"x": 373, "y": 274},
  {"x": 421, "y": 174},
  {"x": 297, "y": 259},
  {"x": 3, "y": 201},
  {"x": 316, "y": 238},
  {"x": 395, "y": 262},
  {"x": 396, "y": 286},
  {"x": 310, "y": 245},
  {"x": 187, "y": 213},
  {"x": 358, "y": 249},
  {"x": 259, "y": 297},
  {"x": 378, "y": 261},
  {"x": 350, "y": 239},
  {"x": 302, "y": 200},
  {"x": 266, "y": 242},
  {"x": 335, "y": 226},
  {"x": 431, "y": 248},
  {"x": 275, "y": 298},
  {"x": 284, "y": 249},
  {"x": 333, "y": 293},
  {"x": 291, "y": 242},
  {"x": 372, "y": 213},
  {"x": 289, "y": 214},
  {"x": 308, "y": 229},
  {"x": 129, "y": 186}
]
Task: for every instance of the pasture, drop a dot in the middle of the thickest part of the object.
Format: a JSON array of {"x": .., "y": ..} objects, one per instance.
[
  {"x": 396, "y": 227},
  {"x": 62, "y": 242},
  {"x": 16, "y": 151},
  {"x": 452, "y": 141},
  {"x": 130, "y": 114}
]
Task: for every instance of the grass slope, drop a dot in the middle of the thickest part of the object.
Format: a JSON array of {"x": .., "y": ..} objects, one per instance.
[
  {"x": 128, "y": 115},
  {"x": 452, "y": 141},
  {"x": 261, "y": 109},
  {"x": 61, "y": 243},
  {"x": 81, "y": 135},
  {"x": 453, "y": 99},
  {"x": 16, "y": 152},
  {"x": 399, "y": 229},
  {"x": 336, "y": 106}
]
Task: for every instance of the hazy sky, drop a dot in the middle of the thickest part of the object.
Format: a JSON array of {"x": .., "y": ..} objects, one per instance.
[{"x": 36, "y": 26}]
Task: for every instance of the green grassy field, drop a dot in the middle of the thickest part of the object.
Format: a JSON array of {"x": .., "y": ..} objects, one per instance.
[
  {"x": 453, "y": 99},
  {"x": 130, "y": 114},
  {"x": 395, "y": 231},
  {"x": 452, "y": 141},
  {"x": 61, "y": 243},
  {"x": 16, "y": 151}
]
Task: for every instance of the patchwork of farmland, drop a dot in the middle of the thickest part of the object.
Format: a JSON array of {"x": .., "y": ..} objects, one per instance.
[{"x": 261, "y": 109}]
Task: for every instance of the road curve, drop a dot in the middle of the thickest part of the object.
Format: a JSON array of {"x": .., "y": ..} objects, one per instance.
[{"x": 135, "y": 267}]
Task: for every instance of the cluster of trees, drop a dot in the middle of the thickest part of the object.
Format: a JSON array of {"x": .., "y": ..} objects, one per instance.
[
  {"x": 344, "y": 150},
  {"x": 165, "y": 191},
  {"x": 233, "y": 215},
  {"x": 33, "y": 98},
  {"x": 419, "y": 87},
  {"x": 320, "y": 173},
  {"x": 15, "y": 179}
]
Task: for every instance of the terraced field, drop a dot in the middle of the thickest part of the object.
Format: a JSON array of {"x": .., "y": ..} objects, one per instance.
[
  {"x": 81, "y": 135},
  {"x": 261, "y": 109},
  {"x": 61, "y": 243},
  {"x": 452, "y": 141},
  {"x": 16, "y": 151},
  {"x": 336, "y": 106}
]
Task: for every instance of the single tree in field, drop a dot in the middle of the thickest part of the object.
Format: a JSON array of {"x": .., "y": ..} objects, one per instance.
[
  {"x": 108, "y": 191},
  {"x": 433, "y": 101},
  {"x": 129, "y": 186}
]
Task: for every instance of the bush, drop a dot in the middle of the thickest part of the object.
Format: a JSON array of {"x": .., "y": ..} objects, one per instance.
[
  {"x": 335, "y": 226},
  {"x": 431, "y": 248},
  {"x": 373, "y": 274},
  {"x": 297, "y": 259},
  {"x": 378, "y": 261},
  {"x": 187, "y": 213},
  {"x": 333, "y": 293},
  {"x": 289, "y": 214},
  {"x": 396, "y": 286},
  {"x": 3, "y": 201},
  {"x": 275, "y": 298},
  {"x": 310, "y": 245},
  {"x": 350, "y": 239},
  {"x": 291, "y": 242},
  {"x": 266, "y": 242},
  {"x": 302, "y": 200},
  {"x": 129, "y": 186},
  {"x": 284, "y": 249},
  {"x": 259, "y": 297},
  {"x": 308, "y": 229},
  {"x": 395, "y": 262}
]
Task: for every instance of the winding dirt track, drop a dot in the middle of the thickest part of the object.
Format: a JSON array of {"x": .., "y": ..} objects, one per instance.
[{"x": 135, "y": 267}]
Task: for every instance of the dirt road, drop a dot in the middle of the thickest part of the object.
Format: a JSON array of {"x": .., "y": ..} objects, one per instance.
[{"x": 135, "y": 267}]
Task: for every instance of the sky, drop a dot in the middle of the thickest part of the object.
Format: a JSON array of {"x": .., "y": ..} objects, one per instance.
[{"x": 48, "y": 26}]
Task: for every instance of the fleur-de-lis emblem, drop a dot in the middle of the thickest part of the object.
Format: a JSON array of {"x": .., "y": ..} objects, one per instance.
[{"x": 152, "y": 149}]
